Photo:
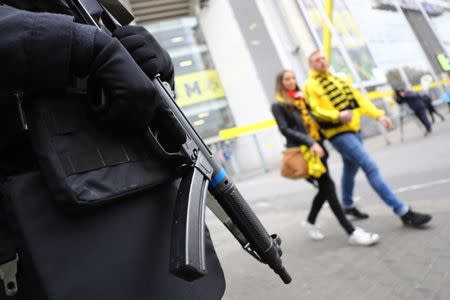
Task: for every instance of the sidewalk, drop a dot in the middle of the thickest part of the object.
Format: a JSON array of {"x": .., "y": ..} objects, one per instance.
[{"x": 406, "y": 264}]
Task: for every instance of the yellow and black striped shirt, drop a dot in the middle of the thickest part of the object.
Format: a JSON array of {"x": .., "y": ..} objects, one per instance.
[{"x": 327, "y": 95}]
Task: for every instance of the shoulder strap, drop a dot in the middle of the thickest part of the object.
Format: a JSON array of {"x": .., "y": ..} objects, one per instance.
[
  {"x": 8, "y": 253},
  {"x": 7, "y": 242}
]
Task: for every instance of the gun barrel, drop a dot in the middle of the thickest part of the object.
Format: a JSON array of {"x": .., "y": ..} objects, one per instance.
[{"x": 265, "y": 246}]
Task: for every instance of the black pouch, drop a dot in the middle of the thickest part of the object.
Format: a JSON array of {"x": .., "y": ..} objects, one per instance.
[
  {"x": 87, "y": 162},
  {"x": 119, "y": 252}
]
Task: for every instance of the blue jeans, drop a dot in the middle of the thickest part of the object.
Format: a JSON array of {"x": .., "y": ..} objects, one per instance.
[{"x": 354, "y": 156}]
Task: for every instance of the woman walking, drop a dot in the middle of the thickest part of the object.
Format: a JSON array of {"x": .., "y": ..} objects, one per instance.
[{"x": 300, "y": 129}]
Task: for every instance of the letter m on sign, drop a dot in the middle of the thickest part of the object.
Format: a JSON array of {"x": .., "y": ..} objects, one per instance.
[{"x": 192, "y": 89}]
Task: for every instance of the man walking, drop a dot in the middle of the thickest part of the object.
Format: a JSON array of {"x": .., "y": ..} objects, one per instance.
[
  {"x": 417, "y": 105},
  {"x": 338, "y": 106}
]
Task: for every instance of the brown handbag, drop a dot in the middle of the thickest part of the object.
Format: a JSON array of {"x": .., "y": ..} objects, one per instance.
[{"x": 293, "y": 164}]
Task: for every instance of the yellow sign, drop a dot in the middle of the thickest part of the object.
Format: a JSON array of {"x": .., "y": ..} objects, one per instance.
[
  {"x": 198, "y": 87},
  {"x": 444, "y": 62}
]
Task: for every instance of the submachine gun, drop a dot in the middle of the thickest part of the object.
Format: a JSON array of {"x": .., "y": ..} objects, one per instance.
[{"x": 201, "y": 173}]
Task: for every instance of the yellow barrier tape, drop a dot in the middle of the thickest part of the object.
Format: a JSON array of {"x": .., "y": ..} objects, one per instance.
[
  {"x": 417, "y": 88},
  {"x": 231, "y": 133},
  {"x": 379, "y": 94}
]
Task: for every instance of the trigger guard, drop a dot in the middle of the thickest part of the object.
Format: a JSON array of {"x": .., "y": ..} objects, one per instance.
[{"x": 159, "y": 149}]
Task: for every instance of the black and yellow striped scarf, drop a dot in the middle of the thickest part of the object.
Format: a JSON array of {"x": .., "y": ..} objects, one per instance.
[
  {"x": 340, "y": 96},
  {"x": 312, "y": 127}
]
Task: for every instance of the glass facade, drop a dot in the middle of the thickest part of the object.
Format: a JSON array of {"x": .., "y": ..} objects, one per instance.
[
  {"x": 391, "y": 40},
  {"x": 439, "y": 16},
  {"x": 377, "y": 38},
  {"x": 375, "y": 41},
  {"x": 349, "y": 36},
  {"x": 442, "y": 25},
  {"x": 198, "y": 89}
]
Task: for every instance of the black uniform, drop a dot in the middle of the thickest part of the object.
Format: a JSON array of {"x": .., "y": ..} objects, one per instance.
[{"x": 115, "y": 252}]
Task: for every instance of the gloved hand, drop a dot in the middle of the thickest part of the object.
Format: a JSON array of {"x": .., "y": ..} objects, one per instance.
[
  {"x": 133, "y": 100},
  {"x": 131, "y": 95},
  {"x": 147, "y": 52},
  {"x": 170, "y": 133},
  {"x": 153, "y": 59}
]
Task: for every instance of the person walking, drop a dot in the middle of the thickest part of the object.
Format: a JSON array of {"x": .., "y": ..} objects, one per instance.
[
  {"x": 416, "y": 104},
  {"x": 431, "y": 108},
  {"x": 338, "y": 106},
  {"x": 299, "y": 129}
]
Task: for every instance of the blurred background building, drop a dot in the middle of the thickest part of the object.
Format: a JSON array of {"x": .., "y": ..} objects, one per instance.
[{"x": 228, "y": 52}]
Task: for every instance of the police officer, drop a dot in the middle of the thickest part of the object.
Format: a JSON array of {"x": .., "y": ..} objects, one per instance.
[{"x": 116, "y": 252}]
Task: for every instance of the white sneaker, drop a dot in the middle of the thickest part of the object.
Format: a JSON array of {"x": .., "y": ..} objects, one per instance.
[
  {"x": 313, "y": 231},
  {"x": 363, "y": 238}
]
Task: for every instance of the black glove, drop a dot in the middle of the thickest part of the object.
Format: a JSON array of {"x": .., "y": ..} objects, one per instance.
[
  {"x": 147, "y": 52},
  {"x": 131, "y": 95},
  {"x": 153, "y": 59},
  {"x": 170, "y": 133}
]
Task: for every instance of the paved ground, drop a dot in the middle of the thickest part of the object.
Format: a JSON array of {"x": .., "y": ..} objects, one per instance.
[{"x": 406, "y": 264}]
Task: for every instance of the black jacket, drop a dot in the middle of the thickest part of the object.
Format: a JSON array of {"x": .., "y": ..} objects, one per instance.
[
  {"x": 427, "y": 101},
  {"x": 34, "y": 57},
  {"x": 413, "y": 100},
  {"x": 116, "y": 252},
  {"x": 290, "y": 123}
]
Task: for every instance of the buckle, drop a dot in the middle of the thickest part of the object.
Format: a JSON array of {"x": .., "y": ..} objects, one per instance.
[{"x": 8, "y": 273}]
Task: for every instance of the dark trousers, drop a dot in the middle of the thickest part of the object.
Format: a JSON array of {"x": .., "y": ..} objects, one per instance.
[
  {"x": 422, "y": 116},
  {"x": 432, "y": 110},
  {"x": 327, "y": 191}
]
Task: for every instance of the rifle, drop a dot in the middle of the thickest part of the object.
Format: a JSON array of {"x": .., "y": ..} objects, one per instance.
[{"x": 201, "y": 173}]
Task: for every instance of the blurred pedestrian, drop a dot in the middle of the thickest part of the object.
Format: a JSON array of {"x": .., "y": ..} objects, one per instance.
[
  {"x": 338, "y": 106},
  {"x": 431, "y": 109},
  {"x": 300, "y": 129},
  {"x": 417, "y": 105},
  {"x": 445, "y": 98}
]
